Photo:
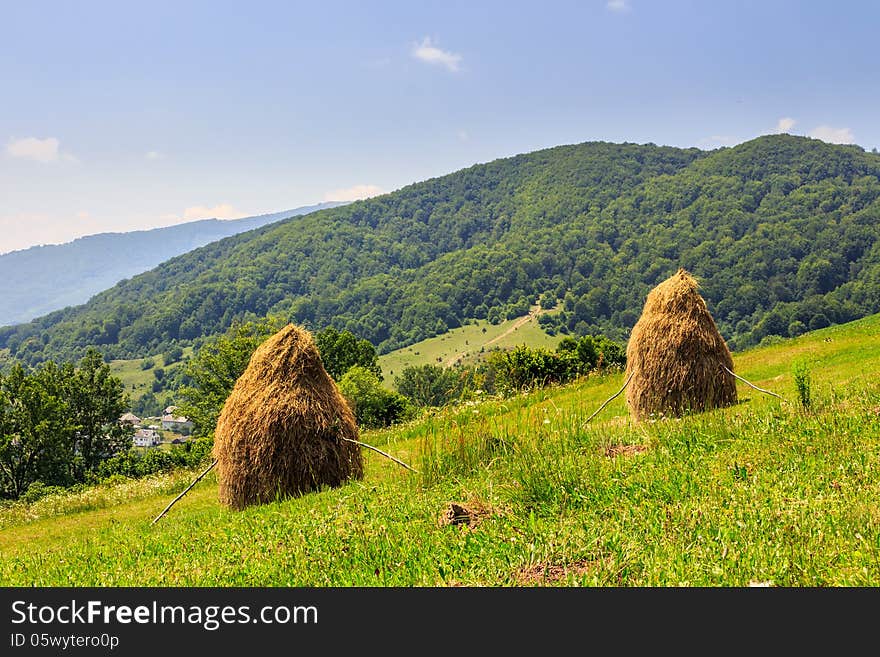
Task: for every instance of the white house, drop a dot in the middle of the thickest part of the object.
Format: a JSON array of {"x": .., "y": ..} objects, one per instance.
[
  {"x": 146, "y": 438},
  {"x": 174, "y": 422}
]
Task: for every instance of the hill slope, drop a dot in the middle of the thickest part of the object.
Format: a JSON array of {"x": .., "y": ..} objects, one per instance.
[
  {"x": 782, "y": 231},
  {"x": 41, "y": 279},
  {"x": 764, "y": 491}
]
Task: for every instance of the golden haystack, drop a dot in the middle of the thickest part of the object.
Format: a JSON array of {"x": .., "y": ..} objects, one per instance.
[
  {"x": 676, "y": 355},
  {"x": 281, "y": 431}
]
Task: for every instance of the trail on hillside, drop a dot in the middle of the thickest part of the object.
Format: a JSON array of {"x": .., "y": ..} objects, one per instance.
[{"x": 533, "y": 313}]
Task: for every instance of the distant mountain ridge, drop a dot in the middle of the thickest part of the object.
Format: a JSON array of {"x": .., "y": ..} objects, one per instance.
[
  {"x": 41, "y": 279},
  {"x": 782, "y": 233}
]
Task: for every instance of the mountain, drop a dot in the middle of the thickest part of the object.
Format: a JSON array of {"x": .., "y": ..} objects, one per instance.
[
  {"x": 782, "y": 232},
  {"x": 41, "y": 279}
]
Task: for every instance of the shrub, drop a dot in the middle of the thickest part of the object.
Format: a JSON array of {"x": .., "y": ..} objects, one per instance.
[
  {"x": 38, "y": 490},
  {"x": 373, "y": 405},
  {"x": 802, "y": 382}
]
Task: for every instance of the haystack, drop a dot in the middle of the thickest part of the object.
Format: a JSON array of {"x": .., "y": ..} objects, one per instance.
[
  {"x": 676, "y": 356},
  {"x": 281, "y": 431}
]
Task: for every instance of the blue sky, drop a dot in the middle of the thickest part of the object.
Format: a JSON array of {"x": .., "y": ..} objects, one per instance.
[{"x": 118, "y": 116}]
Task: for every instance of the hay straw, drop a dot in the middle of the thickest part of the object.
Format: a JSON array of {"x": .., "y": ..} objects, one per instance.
[
  {"x": 678, "y": 360},
  {"x": 285, "y": 429}
]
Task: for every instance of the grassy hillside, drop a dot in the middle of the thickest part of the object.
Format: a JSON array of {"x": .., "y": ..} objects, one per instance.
[
  {"x": 782, "y": 231},
  {"x": 523, "y": 492},
  {"x": 467, "y": 344}
]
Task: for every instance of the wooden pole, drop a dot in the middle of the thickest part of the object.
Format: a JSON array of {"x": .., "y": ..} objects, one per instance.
[
  {"x": 358, "y": 442},
  {"x": 195, "y": 481},
  {"x": 608, "y": 401},
  {"x": 752, "y": 385}
]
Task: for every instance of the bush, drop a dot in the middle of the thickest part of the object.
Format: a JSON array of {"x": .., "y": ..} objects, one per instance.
[
  {"x": 38, "y": 490},
  {"x": 802, "y": 382},
  {"x": 373, "y": 405},
  {"x": 430, "y": 385},
  {"x": 135, "y": 463},
  {"x": 173, "y": 355}
]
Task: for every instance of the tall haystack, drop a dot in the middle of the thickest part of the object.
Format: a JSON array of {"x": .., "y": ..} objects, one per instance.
[
  {"x": 281, "y": 431},
  {"x": 676, "y": 355}
]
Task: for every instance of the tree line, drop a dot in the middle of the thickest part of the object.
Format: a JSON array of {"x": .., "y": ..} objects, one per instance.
[{"x": 782, "y": 232}]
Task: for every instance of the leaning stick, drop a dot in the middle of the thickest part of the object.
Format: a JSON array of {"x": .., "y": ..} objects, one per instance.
[
  {"x": 195, "y": 481},
  {"x": 752, "y": 385},
  {"x": 357, "y": 442},
  {"x": 608, "y": 401}
]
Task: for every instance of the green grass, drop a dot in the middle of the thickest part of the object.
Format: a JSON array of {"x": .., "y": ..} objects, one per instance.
[
  {"x": 137, "y": 381},
  {"x": 762, "y": 492},
  {"x": 466, "y": 344}
]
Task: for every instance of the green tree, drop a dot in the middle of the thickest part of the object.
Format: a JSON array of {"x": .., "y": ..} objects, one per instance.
[
  {"x": 373, "y": 405},
  {"x": 214, "y": 369},
  {"x": 174, "y": 354},
  {"x": 429, "y": 385},
  {"x": 95, "y": 400},
  {"x": 342, "y": 350},
  {"x": 33, "y": 431}
]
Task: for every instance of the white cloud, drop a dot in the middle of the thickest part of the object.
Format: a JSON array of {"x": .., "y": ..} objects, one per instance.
[
  {"x": 427, "y": 52},
  {"x": 463, "y": 135},
  {"x": 354, "y": 193},
  {"x": 154, "y": 155},
  {"x": 833, "y": 135},
  {"x": 26, "y": 229},
  {"x": 785, "y": 124},
  {"x": 39, "y": 150},
  {"x": 618, "y": 5},
  {"x": 221, "y": 211}
]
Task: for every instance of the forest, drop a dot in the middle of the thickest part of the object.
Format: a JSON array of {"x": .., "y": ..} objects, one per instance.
[{"x": 781, "y": 232}]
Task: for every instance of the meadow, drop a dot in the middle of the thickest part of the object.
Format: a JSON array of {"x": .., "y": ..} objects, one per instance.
[{"x": 525, "y": 491}]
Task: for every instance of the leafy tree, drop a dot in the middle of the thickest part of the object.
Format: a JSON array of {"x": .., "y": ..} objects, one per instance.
[
  {"x": 33, "y": 431},
  {"x": 215, "y": 368},
  {"x": 430, "y": 385},
  {"x": 342, "y": 350},
  {"x": 174, "y": 354},
  {"x": 95, "y": 400},
  {"x": 373, "y": 405}
]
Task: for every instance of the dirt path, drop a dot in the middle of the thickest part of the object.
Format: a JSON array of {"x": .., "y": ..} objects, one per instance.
[{"x": 533, "y": 313}]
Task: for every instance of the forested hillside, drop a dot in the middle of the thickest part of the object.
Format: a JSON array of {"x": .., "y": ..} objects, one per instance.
[
  {"x": 782, "y": 232},
  {"x": 44, "y": 278}
]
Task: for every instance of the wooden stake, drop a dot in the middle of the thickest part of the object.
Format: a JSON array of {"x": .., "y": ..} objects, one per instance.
[
  {"x": 195, "y": 481},
  {"x": 608, "y": 401},
  {"x": 357, "y": 442},
  {"x": 751, "y": 385}
]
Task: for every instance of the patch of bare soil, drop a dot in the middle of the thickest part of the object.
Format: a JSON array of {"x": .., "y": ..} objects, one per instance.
[
  {"x": 470, "y": 514},
  {"x": 625, "y": 450},
  {"x": 550, "y": 573}
]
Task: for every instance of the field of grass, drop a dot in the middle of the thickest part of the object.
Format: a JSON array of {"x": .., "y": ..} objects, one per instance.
[
  {"x": 466, "y": 344},
  {"x": 138, "y": 381},
  {"x": 524, "y": 491}
]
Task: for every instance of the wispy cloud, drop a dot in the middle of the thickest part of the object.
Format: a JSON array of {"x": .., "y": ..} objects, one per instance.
[
  {"x": 833, "y": 135},
  {"x": 154, "y": 155},
  {"x": 220, "y": 211},
  {"x": 785, "y": 124},
  {"x": 428, "y": 52},
  {"x": 39, "y": 150},
  {"x": 354, "y": 193},
  {"x": 618, "y": 5}
]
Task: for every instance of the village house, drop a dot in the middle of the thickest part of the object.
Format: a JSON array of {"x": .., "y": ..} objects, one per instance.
[
  {"x": 146, "y": 438},
  {"x": 178, "y": 423},
  {"x": 130, "y": 418}
]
